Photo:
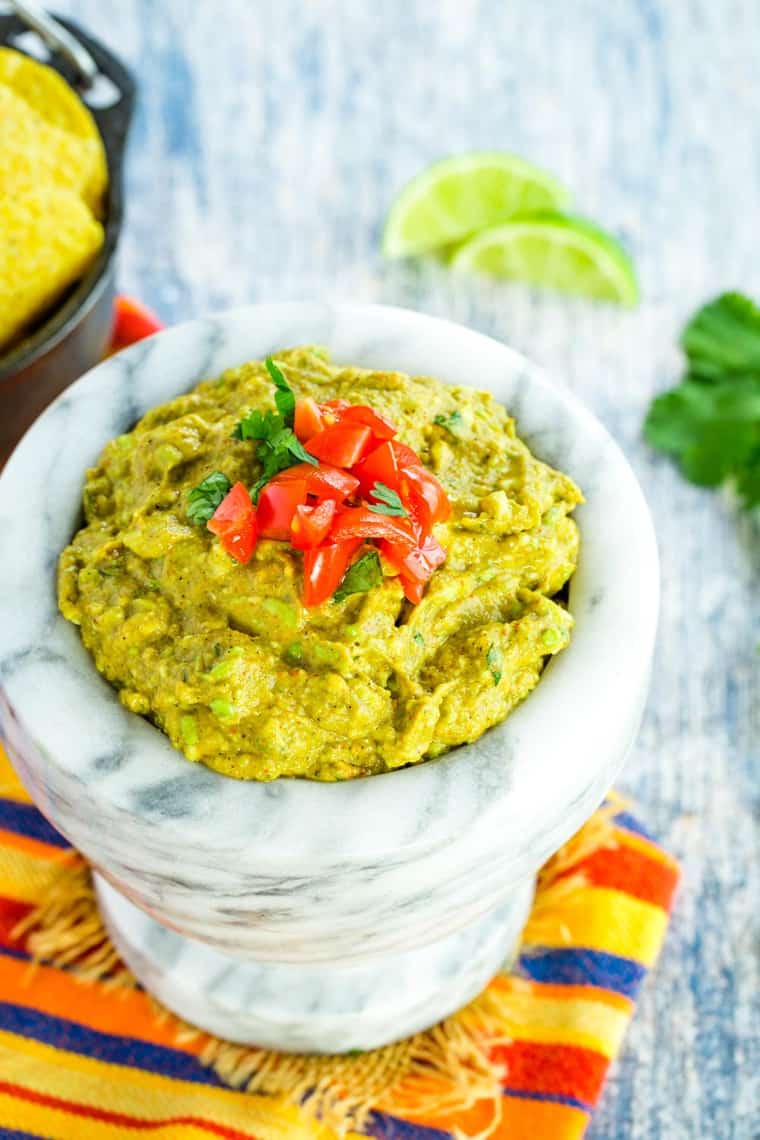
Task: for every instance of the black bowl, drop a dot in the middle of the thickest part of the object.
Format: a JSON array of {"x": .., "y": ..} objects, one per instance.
[{"x": 75, "y": 334}]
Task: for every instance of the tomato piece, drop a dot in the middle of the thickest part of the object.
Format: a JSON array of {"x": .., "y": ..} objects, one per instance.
[
  {"x": 361, "y": 522},
  {"x": 323, "y": 570},
  {"x": 234, "y": 522},
  {"x": 342, "y": 445},
  {"x": 380, "y": 427},
  {"x": 380, "y": 466},
  {"x": 413, "y": 590},
  {"x": 323, "y": 481},
  {"x": 415, "y": 567},
  {"x": 405, "y": 456},
  {"x": 308, "y": 418},
  {"x": 425, "y": 496},
  {"x": 132, "y": 322},
  {"x": 434, "y": 553},
  {"x": 277, "y": 505},
  {"x": 311, "y": 525}
]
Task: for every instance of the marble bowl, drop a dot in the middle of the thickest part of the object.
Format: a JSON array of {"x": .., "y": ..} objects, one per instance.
[{"x": 299, "y": 915}]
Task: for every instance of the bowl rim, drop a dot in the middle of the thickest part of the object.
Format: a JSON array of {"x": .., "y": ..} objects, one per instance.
[{"x": 494, "y": 783}]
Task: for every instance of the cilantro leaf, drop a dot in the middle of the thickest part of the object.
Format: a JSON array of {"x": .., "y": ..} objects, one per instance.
[
  {"x": 203, "y": 500},
  {"x": 388, "y": 501},
  {"x": 452, "y": 422},
  {"x": 495, "y": 663},
  {"x": 258, "y": 425},
  {"x": 710, "y": 422},
  {"x": 365, "y": 573},
  {"x": 723, "y": 337},
  {"x": 284, "y": 397},
  {"x": 278, "y": 446}
]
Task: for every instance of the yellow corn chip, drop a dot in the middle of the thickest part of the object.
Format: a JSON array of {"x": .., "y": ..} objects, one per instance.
[
  {"x": 53, "y": 100},
  {"x": 48, "y": 239},
  {"x": 33, "y": 151}
]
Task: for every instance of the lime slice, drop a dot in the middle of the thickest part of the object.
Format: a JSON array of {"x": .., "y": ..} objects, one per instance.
[
  {"x": 456, "y": 197},
  {"x": 555, "y": 250}
]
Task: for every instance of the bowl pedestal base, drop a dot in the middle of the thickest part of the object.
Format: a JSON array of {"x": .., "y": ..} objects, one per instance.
[{"x": 322, "y": 1007}]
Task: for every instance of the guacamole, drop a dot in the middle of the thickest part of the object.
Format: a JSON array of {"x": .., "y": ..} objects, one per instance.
[{"x": 226, "y": 658}]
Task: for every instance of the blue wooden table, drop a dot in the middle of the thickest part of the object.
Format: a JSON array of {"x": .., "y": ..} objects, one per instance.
[{"x": 270, "y": 140}]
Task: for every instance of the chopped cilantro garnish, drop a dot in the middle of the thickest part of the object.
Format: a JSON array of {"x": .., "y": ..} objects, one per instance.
[
  {"x": 418, "y": 638},
  {"x": 278, "y": 445},
  {"x": 453, "y": 422},
  {"x": 495, "y": 662},
  {"x": 710, "y": 422},
  {"x": 388, "y": 501},
  {"x": 203, "y": 500},
  {"x": 365, "y": 573},
  {"x": 284, "y": 397},
  {"x": 258, "y": 425}
]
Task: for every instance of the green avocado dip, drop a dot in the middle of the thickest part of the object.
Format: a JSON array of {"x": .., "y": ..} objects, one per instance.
[{"x": 226, "y": 659}]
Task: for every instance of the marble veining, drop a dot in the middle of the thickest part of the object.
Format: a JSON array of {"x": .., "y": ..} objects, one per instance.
[{"x": 300, "y": 872}]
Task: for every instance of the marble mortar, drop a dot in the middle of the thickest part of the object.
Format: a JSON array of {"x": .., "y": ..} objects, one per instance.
[{"x": 299, "y": 915}]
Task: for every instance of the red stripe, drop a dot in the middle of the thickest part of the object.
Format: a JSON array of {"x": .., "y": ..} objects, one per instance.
[
  {"x": 92, "y": 1113},
  {"x": 11, "y": 913},
  {"x": 557, "y": 1070},
  {"x": 632, "y": 872}
]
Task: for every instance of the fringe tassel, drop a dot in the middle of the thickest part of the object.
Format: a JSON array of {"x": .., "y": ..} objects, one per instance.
[{"x": 446, "y": 1069}]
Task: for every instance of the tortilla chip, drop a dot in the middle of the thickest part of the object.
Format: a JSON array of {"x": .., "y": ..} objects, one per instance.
[
  {"x": 32, "y": 151},
  {"x": 48, "y": 94},
  {"x": 48, "y": 239}
]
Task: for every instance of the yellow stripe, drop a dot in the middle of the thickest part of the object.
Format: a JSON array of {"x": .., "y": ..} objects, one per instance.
[
  {"x": 26, "y": 877},
  {"x": 529, "y": 1017},
  {"x": 11, "y": 787},
  {"x": 45, "y": 1121},
  {"x": 119, "y": 1088},
  {"x": 600, "y": 918}
]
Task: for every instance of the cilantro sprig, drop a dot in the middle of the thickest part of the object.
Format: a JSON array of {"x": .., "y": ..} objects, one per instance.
[
  {"x": 710, "y": 422},
  {"x": 278, "y": 446},
  {"x": 203, "y": 500},
  {"x": 365, "y": 573},
  {"x": 284, "y": 396},
  {"x": 387, "y": 501}
]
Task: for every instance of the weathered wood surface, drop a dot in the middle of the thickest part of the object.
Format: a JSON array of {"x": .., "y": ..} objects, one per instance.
[{"x": 270, "y": 140}]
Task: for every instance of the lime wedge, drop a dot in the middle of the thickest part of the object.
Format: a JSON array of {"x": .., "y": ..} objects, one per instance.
[
  {"x": 555, "y": 250},
  {"x": 456, "y": 197}
]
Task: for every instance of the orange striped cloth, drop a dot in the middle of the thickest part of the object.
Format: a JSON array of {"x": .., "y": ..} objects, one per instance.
[
  {"x": 88, "y": 1062},
  {"x": 91, "y": 1062}
]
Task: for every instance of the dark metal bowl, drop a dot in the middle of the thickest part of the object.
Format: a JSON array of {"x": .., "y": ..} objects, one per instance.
[{"x": 75, "y": 334}]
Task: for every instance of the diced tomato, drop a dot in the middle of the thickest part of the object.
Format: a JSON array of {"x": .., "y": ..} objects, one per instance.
[
  {"x": 405, "y": 456},
  {"x": 380, "y": 466},
  {"x": 132, "y": 322},
  {"x": 425, "y": 496},
  {"x": 234, "y": 522},
  {"x": 323, "y": 569},
  {"x": 311, "y": 525},
  {"x": 277, "y": 505},
  {"x": 434, "y": 553},
  {"x": 322, "y": 480},
  {"x": 380, "y": 427},
  {"x": 342, "y": 445},
  {"x": 308, "y": 418},
  {"x": 361, "y": 522},
  {"x": 415, "y": 567},
  {"x": 413, "y": 590}
]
